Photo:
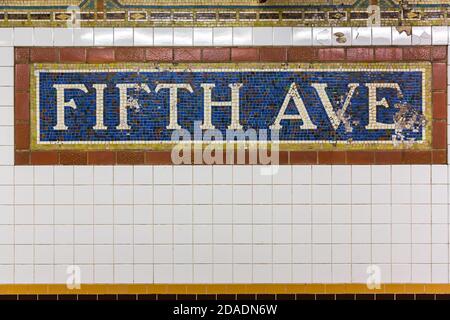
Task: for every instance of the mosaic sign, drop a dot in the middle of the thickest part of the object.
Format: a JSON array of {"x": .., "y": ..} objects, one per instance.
[{"x": 300, "y": 105}]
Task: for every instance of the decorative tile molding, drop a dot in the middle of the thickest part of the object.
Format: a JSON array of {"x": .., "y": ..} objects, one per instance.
[
  {"x": 27, "y": 57},
  {"x": 222, "y": 13}
]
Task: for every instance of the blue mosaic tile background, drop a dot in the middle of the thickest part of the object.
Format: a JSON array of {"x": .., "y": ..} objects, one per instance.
[{"x": 261, "y": 97}]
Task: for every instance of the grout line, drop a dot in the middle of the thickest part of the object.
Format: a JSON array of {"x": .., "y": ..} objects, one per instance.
[
  {"x": 14, "y": 222},
  {"x": 193, "y": 243},
  {"x": 411, "y": 225},
  {"x": 73, "y": 218},
  {"x": 53, "y": 225},
  {"x": 132, "y": 226},
  {"x": 371, "y": 214},
  {"x": 172, "y": 226},
  {"x": 112, "y": 225},
  {"x": 291, "y": 171},
  {"x": 351, "y": 225},
  {"x": 153, "y": 224},
  {"x": 390, "y": 224}
]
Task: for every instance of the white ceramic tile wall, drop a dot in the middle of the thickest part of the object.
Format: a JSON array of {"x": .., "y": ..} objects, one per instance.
[
  {"x": 220, "y": 224},
  {"x": 219, "y": 36}
]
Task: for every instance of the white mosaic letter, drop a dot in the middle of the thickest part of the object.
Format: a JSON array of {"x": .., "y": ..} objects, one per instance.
[
  {"x": 173, "y": 97},
  {"x": 99, "y": 109},
  {"x": 124, "y": 104},
  {"x": 374, "y": 103},
  {"x": 335, "y": 119},
  {"x": 61, "y": 103},
  {"x": 303, "y": 114},
  {"x": 234, "y": 103}
]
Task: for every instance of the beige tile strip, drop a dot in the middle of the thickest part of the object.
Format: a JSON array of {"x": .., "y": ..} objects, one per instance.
[{"x": 419, "y": 288}]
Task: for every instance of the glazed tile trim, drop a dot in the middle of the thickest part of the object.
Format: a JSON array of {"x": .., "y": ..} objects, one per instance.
[
  {"x": 221, "y": 17},
  {"x": 217, "y": 36},
  {"x": 221, "y": 13}
]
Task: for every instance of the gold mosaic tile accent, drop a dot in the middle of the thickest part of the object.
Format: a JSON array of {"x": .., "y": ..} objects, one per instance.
[{"x": 224, "y": 13}]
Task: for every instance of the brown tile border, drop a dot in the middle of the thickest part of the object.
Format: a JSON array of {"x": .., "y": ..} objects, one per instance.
[
  {"x": 437, "y": 55},
  {"x": 230, "y": 292}
]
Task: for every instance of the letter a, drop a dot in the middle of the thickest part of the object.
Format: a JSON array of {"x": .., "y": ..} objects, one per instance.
[{"x": 303, "y": 114}]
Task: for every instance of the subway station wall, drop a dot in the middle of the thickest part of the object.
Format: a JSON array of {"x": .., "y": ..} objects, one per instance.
[{"x": 293, "y": 223}]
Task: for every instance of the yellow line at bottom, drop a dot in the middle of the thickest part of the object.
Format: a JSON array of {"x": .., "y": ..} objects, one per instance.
[{"x": 223, "y": 289}]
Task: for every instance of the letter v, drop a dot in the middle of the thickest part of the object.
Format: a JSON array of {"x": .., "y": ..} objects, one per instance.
[{"x": 334, "y": 118}]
